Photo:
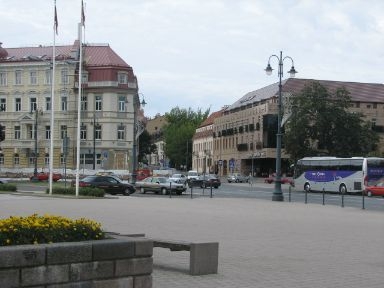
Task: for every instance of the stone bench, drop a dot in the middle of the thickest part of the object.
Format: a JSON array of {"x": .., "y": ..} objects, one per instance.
[{"x": 203, "y": 257}]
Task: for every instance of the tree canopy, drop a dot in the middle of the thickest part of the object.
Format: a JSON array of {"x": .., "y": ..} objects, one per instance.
[
  {"x": 178, "y": 133},
  {"x": 321, "y": 124},
  {"x": 145, "y": 147}
]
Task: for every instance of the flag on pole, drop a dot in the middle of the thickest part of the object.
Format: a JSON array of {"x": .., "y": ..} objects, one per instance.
[
  {"x": 56, "y": 23},
  {"x": 82, "y": 14}
]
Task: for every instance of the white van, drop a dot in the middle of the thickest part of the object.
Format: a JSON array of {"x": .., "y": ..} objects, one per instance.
[{"x": 192, "y": 174}]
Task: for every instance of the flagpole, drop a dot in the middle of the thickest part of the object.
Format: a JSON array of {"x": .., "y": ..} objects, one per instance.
[
  {"x": 79, "y": 98},
  {"x": 52, "y": 101}
]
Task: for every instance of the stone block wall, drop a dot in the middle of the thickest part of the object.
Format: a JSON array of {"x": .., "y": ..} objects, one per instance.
[{"x": 110, "y": 263}]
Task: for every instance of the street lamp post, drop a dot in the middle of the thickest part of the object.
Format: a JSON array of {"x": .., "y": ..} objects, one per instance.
[
  {"x": 95, "y": 126},
  {"x": 277, "y": 193},
  {"x": 136, "y": 105}
]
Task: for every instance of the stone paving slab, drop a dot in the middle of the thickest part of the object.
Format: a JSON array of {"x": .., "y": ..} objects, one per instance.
[{"x": 262, "y": 243}]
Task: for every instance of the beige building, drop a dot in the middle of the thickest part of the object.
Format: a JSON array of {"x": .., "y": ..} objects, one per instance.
[
  {"x": 245, "y": 135},
  {"x": 155, "y": 129},
  {"x": 109, "y": 92},
  {"x": 202, "y": 147}
]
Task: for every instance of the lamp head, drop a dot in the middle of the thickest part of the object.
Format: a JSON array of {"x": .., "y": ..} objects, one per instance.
[
  {"x": 268, "y": 70},
  {"x": 292, "y": 72},
  {"x": 143, "y": 103}
]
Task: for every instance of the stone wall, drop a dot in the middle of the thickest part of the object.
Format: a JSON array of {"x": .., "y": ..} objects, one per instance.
[{"x": 112, "y": 263}]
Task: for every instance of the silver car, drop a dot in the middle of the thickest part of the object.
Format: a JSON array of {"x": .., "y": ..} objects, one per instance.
[
  {"x": 237, "y": 177},
  {"x": 160, "y": 185}
]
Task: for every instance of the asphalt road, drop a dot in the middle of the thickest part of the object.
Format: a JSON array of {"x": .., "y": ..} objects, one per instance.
[{"x": 258, "y": 190}]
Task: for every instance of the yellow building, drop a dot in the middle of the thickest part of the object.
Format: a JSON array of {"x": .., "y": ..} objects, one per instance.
[{"x": 109, "y": 92}]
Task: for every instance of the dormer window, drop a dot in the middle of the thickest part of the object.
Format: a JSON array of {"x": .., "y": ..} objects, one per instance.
[{"x": 122, "y": 78}]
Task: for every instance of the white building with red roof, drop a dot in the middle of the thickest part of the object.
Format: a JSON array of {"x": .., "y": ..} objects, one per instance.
[{"x": 109, "y": 92}]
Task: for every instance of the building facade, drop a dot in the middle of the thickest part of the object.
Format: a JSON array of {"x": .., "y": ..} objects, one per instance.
[
  {"x": 244, "y": 137},
  {"x": 202, "y": 147},
  {"x": 109, "y": 93}
]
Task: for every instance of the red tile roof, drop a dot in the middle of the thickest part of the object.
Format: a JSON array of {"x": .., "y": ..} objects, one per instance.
[{"x": 94, "y": 54}]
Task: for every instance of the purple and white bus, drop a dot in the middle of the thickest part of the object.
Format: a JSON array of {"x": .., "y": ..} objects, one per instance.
[{"x": 332, "y": 174}]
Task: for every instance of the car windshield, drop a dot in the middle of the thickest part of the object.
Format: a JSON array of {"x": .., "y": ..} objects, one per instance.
[{"x": 176, "y": 176}]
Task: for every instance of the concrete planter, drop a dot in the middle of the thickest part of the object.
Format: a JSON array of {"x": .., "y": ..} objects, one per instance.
[{"x": 112, "y": 263}]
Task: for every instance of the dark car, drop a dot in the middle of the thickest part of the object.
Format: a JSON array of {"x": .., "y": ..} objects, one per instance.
[
  {"x": 205, "y": 181},
  {"x": 160, "y": 185},
  {"x": 111, "y": 185}
]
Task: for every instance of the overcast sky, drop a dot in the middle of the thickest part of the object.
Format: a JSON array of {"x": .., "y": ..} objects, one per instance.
[{"x": 209, "y": 53}]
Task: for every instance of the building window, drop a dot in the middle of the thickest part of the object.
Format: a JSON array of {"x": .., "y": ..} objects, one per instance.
[
  {"x": 48, "y": 103},
  {"x": 18, "y": 104},
  {"x": 3, "y": 79},
  {"x": 18, "y": 77},
  {"x": 48, "y": 77},
  {"x": 33, "y": 77},
  {"x": 64, "y": 103},
  {"x": 122, "y": 78},
  {"x": 31, "y": 159},
  {"x": 63, "y": 131},
  {"x": 3, "y": 104},
  {"x": 98, "y": 132},
  {"x": 374, "y": 105},
  {"x": 121, "y": 104},
  {"x": 83, "y": 132},
  {"x": 98, "y": 103},
  {"x": 62, "y": 159},
  {"x": 47, "y": 132},
  {"x": 1, "y": 159},
  {"x": 33, "y": 104},
  {"x": 121, "y": 132},
  {"x": 64, "y": 76},
  {"x": 84, "y": 103},
  {"x": 46, "y": 159},
  {"x": 84, "y": 78},
  {"x": 17, "y": 132},
  {"x": 16, "y": 159}
]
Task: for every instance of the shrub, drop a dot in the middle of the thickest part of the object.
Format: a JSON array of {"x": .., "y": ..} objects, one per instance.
[
  {"x": 8, "y": 187},
  {"x": 36, "y": 229},
  {"x": 85, "y": 191}
]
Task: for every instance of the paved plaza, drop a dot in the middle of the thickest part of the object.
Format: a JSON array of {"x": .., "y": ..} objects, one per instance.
[{"x": 262, "y": 243}]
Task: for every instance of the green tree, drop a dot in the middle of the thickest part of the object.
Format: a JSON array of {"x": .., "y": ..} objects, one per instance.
[
  {"x": 178, "y": 133},
  {"x": 321, "y": 124},
  {"x": 146, "y": 147}
]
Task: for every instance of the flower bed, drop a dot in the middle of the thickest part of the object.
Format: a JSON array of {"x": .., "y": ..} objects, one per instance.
[{"x": 83, "y": 262}]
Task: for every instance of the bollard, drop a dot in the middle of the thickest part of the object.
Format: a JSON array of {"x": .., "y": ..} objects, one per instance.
[
  {"x": 306, "y": 196},
  {"x": 363, "y": 202},
  {"x": 323, "y": 196},
  {"x": 289, "y": 194},
  {"x": 211, "y": 190},
  {"x": 170, "y": 189},
  {"x": 342, "y": 200},
  {"x": 191, "y": 191}
]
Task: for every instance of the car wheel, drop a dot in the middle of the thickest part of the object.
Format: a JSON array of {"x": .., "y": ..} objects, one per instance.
[
  {"x": 163, "y": 191},
  {"x": 142, "y": 190},
  {"x": 216, "y": 187},
  {"x": 126, "y": 192},
  {"x": 307, "y": 187},
  {"x": 343, "y": 189}
]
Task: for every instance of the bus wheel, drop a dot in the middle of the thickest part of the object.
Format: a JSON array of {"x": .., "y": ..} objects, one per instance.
[
  {"x": 307, "y": 187},
  {"x": 343, "y": 189}
]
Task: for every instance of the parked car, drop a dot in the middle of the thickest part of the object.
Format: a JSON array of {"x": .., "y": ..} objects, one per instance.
[
  {"x": 178, "y": 178},
  {"x": 204, "y": 181},
  {"x": 237, "y": 177},
  {"x": 161, "y": 185},
  {"x": 111, "y": 185},
  {"x": 284, "y": 180},
  {"x": 44, "y": 176},
  {"x": 375, "y": 189},
  {"x": 192, "y": 174}
]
